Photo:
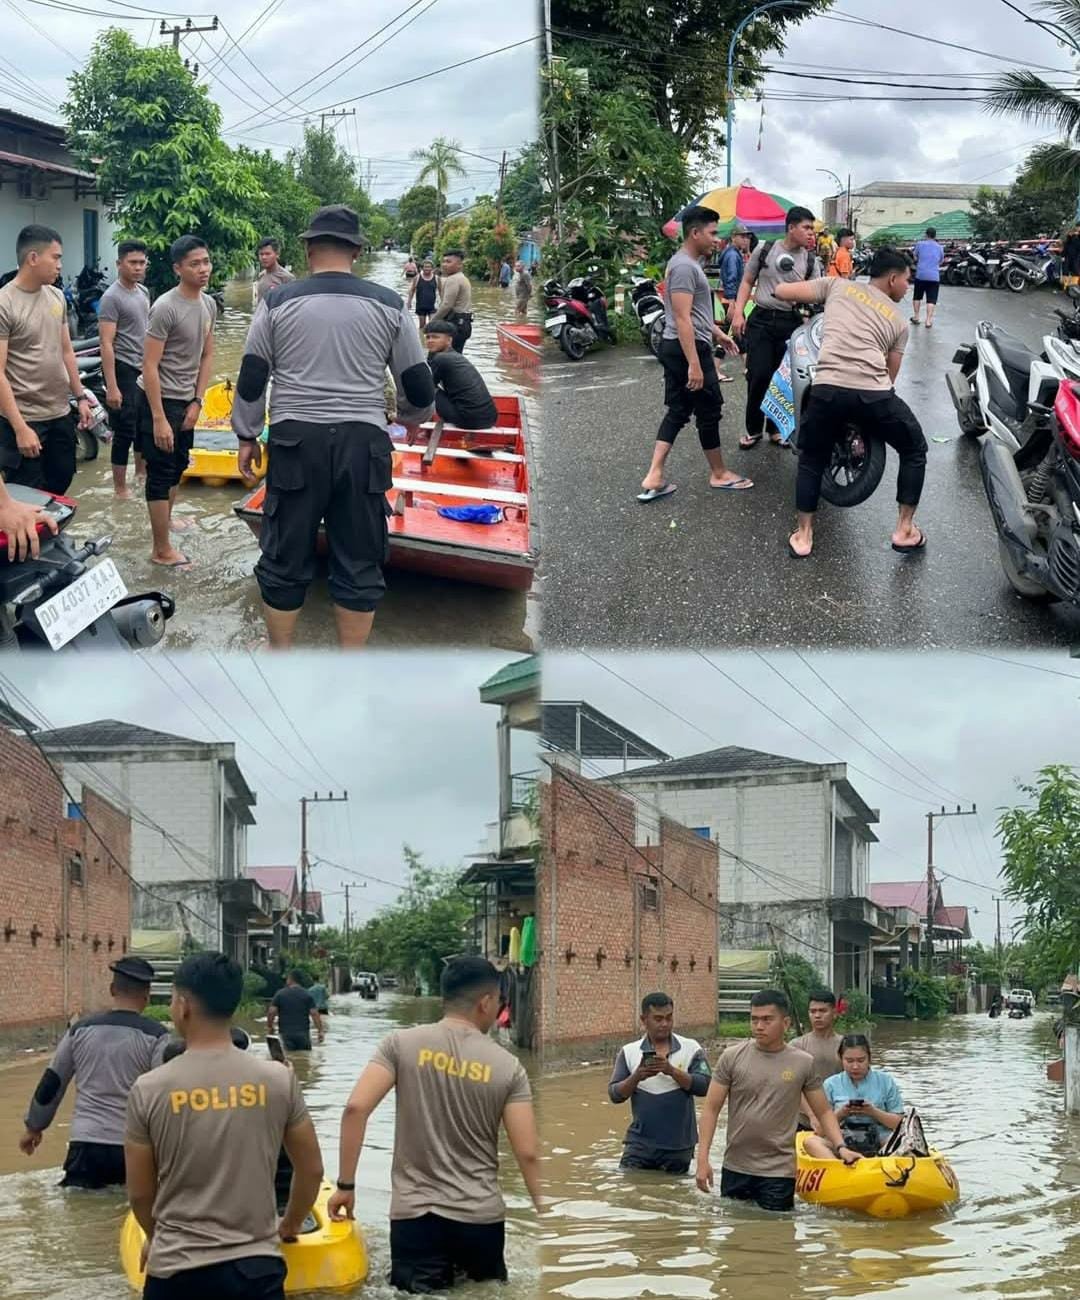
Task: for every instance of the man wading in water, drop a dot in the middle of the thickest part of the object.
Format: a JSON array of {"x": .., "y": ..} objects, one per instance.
[
  {"x": 822, "y": 1042},
  {"x": 763, "y": 1081},
  {"x": 691, "y": 383},
  {"x": 123, "y": 313},
  {"x": 454, "y": 1088}
]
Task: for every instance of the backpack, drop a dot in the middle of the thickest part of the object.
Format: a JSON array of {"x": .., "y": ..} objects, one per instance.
[{"x": 811, "y": 259}]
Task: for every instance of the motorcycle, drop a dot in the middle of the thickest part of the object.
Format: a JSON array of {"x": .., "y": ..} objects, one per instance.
[
  {"x": 59, "y": 600},
  {"x": 1069, "y": 324},
  {"x": 981, "y": 266},
  {"x": 1034, "y": 495},
  {"x": 649, "y": 309},
  {"x": 90, "y": 284},
  {"x": 579, "y": 315},
  {"x": 1018, "y": 270},
  {"x": 88, "y": 441}
]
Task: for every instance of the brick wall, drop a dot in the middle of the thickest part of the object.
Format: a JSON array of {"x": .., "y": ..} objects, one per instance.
[
  {"x": 602, "y": 945},
  {"x": 57, "y": 935}
]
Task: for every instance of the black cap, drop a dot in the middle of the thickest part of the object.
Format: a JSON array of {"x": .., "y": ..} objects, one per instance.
[
  {"x": 133, "y": 968},
  {"x": 335, "y": 222},
  {"x": 439, "y": 327}
]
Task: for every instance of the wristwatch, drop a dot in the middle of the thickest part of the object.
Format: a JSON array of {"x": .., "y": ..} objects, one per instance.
[{"x": 345, "y": 1187}]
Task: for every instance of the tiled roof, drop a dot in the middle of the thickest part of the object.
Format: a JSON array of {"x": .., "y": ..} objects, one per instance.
[
  {"x": 901, "y": 893},
  {"x": 718, "y": 762},
  {"x": 111, "y": 734}
]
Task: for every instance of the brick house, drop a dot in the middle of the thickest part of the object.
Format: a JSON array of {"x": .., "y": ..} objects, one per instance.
[{"x": 65, "y": 900}]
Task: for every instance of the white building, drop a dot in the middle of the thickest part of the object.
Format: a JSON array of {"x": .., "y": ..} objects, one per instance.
[
  {"x": 41, "y": 183},
  {"x": 887, "y": 203},
  {"x": 190, "y": 808}
]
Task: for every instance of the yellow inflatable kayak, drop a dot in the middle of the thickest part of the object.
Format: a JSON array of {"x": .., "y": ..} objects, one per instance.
[
  {"x": 885, "y": 1187},
  {"x": 213, "y": 457},
  {"x": 329, "y": 1257}
]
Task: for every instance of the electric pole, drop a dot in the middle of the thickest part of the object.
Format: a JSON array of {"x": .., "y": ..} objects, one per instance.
[
  {"x": 502, "y": 179},
  {"x": 304, "y": 865},
  {"x": 556, "y": 181},
  {"x": 346, "y": 919},
  {"x": 332, "y": 114},
  {"x": 931, "y": 817},
  {"x": 188, "y": 29},
  {"x": 193, "y": 68},
  {"x": 997, "y": 932}
]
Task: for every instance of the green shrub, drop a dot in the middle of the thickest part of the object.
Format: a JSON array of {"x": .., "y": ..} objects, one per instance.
[
  {"x": 856, "y": 1019},
  {"x": 929, "y": 995},
  {"x": 733, "y": 1029},
  {"x": 254, "y": 987},
  {"x": 158, "y": 1011}
]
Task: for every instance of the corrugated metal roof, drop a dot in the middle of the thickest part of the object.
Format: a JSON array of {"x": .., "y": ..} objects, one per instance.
[
  {"x": 922, "y": 190},
  {"x": 947, "y": 225},
  {"x": 718, "y": 762},
  {"x": 39, "y": 164},
  {"x": 111, "y": 734}
]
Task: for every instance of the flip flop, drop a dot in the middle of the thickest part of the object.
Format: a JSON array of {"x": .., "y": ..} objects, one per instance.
[
  {"x": 748, "y": 441},
  {"x": 797, "y": 555},
  {"x": 919, "y": 546},
  {"x": 915, "y": 320},
  {"x": 654, "y": 494},
  {"x": 725, "y": 379},
  {"x": 736, "y": 485},
  {"x": 183, "y": 563}
]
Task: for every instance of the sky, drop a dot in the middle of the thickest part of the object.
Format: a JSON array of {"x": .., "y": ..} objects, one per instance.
[
  {"x": 907, "y": 141},
  {"x": 487, "y": 107},
  {"x": 404, "y": 734},
  {"x": 974, "y": 725}
]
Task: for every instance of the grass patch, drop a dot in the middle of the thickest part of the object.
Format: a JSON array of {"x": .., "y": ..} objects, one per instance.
[{"x": 733, "y": 1029}]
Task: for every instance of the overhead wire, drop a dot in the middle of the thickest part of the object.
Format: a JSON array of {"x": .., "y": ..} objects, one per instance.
[{"x": 41, "y": 32}]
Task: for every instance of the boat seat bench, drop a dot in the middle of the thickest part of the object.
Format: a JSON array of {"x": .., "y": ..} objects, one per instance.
[
  {"x": 411, "y": 485},
  {"x": 459, "y": 453}
]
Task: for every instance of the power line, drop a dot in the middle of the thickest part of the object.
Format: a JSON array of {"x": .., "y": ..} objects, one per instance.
[
  {"x": 41, "y": 32},
  {"x": 291, "y": 725}
]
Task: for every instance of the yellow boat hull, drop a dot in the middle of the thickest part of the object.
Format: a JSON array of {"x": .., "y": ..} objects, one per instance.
[
  {"x": 885, "y": 1187},
  {"x": 214, "y": 464},
  {"x": 216, "y": 468},
  {"x": 332, "y": 1258}
]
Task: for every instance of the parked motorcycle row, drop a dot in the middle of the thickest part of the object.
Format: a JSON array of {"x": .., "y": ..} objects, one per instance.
[{"x": 998, "y": 266}]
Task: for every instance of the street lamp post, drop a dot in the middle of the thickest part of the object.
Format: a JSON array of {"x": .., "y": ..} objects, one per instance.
[
  {"x": 772, "y": 4},
  {"x": 839, "y": 184}
]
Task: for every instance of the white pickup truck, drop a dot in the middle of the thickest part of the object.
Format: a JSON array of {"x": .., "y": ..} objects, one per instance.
[{"x": 1022, "y": 1000}]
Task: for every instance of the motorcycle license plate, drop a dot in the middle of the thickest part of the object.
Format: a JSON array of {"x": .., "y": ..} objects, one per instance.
[
  {"x": 648, "y": 320},
  {"x": 71, "y": 611},
  {"x": 553, "y": 321}
]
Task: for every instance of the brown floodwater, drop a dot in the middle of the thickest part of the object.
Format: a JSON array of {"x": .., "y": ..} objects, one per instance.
[
  {"x": 217, "y": 603},
  {"x": 61, "y": 1245},
  {"x": 981, "y": 1089}
]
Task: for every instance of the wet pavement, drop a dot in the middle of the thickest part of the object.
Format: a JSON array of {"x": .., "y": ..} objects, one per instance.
[
  {"x": 59, "y": 1245},
  {"x": 709, "y": 568},
  {"x": 980, "y": 1087},
  {"x": 217, "y": 603}
]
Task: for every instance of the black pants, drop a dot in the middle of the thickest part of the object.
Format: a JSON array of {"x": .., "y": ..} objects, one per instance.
[
  {"x": 164, "y": 469},
  {"x": 259, "y": 1277},
  {"x": 54, "y": 469},
  {"x": 93, "y": 1164},
  {"x": 928, "y": 289},
  {"x": 446, "y": 410},
  {"x": 296, "y": 1042},
  {"x": 882, "y": 414},
  {"x": 767, "y": 334},
  {"x": 705, "y": 404},
  {"x": 125, "y": 422},
  {"x": 337, "y": 474},
  {"x": 669, "y": 1162},
  {"x": 426, "y": 1254},
  {"x": 462, "y": 324},
  {"x": 769, "y": 1193}
]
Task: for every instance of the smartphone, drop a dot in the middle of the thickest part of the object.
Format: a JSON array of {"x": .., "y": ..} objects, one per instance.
[
  {"x": 857, "y": 1101},
  {"x": 276, "y": 1050}
]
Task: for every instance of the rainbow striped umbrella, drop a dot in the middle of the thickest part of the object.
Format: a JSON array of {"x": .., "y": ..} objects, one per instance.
[{"x": 738, "y": 205}]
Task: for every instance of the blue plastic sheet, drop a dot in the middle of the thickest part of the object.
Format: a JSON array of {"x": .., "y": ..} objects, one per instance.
[{"x": 472, "y": 514}]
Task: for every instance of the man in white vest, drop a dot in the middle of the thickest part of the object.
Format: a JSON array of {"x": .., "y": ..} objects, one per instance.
[{"x": 660, "y": 1075}]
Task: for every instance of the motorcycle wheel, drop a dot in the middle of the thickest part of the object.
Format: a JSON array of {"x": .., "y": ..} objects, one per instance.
[
  {"x": 1024, "y": 586},
  {"x": 855, "y": 471},
  {"x": 1015, "y": 279},
  {"x": 571, "y": 343},
  {"x": 997, "y": 280},
  {"x": 976, "y": 277},
  {"x": 656, "y": 337},
  {"x": 86, "y": 445}
]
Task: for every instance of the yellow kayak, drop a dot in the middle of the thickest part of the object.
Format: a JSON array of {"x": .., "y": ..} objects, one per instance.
[
  {"x": 330, "y": 1257},
  {"x": 885, "y": 1187},
  {"x": 213, "y": 457}
]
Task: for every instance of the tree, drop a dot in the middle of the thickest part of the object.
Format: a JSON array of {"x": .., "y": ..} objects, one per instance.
[
  {"x": 1041, "y": 866},
  {"x": 323, "y": 168},
  {"x": 523, "y": 190},
  {"x": 453, "y": 235},
  {"x": 418, "y": 206},
  {"x": 1041, "y": 200},
  {"x": 153, "y": 136},
  {"x": 681, "y": 80},
  {"x": 487, "y": 241},
  {"x": 440, "y": 161},
  {"x": 1026, "y": 94},
  {"x": 424, "y": 238},
  {"x": 288, "y": 206}
]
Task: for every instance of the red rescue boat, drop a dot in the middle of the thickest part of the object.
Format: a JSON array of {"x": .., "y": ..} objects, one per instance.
[
  {"x": 454, "y": 468},
  {"x": 521, "y": 344}
]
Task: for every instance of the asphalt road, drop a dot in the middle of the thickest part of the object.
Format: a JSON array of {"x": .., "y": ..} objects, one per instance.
[{"x": 708, "y": 568}]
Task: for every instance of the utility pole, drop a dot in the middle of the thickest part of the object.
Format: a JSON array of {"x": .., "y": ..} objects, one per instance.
[
  {"x": 304, "y": 864},
  {"x": 193, "y": 68},
  {"x": 997, "y": 932},
  {"x": 188, "y": 29},
  {"x": 502, "y": 179},
  {"x": 346, "y": 918},
  {"x": 334, "y": 113},
  {"x": 556, "y": 179},
  {"x": 931, "y": 817},
  {"x": 847, "y": 205}
]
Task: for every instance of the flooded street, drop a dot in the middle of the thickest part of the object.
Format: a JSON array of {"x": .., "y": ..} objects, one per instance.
[
  {"x": 217, "y": 603},
  {"x": 981, "y": 1089},
  {"x": 57, "y": 1245}
]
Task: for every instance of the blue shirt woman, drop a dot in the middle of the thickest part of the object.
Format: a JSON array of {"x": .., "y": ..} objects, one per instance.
[{"x": 875, "y": 1089}]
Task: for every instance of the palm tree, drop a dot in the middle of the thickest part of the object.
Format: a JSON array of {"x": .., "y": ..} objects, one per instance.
[
  {"x": 441, "y": 160},
  {"x": 1030, "y": 96}
]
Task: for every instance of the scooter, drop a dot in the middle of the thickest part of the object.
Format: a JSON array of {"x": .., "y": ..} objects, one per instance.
[
  {"x": 90, "y": 284},
  {"x": 88, "y": 441},
  {"x": 579, "y": 315},
  {"x": 649, "y": 309},
  {"x": 62, "y": 602},
  {"x": 1034, "y": 496}
]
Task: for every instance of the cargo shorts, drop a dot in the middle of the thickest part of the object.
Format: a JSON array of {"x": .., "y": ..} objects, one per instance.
[{"x": 332, "y": 474}]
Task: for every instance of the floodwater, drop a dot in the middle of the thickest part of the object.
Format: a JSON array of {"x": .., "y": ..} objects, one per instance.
[
  {"x": 980, "y": 1086},
  {"x": 217, "y": 603},
  {"x": 59, "y": 1245}
]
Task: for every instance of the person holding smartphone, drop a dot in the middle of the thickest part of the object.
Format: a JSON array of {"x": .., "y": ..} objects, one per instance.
[
  {"x": 862, "y": 1098},
  {"x": 660, "y": 1075}
]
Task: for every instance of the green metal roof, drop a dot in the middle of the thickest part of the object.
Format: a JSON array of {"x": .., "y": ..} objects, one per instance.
[
  {"x": 949, "y": 225},
  {"x": 515, "y": 680}
]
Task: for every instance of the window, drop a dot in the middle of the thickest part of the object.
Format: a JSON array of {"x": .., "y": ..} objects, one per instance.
[
  {"x": 650, "y": 897},
  {"x": 704, "y": 831},
  {"x": 75, "y": 869}
]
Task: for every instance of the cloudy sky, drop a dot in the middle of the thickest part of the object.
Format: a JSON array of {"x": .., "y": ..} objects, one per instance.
[
  {"x": 405, "y": 734},
  {"x": 973, "y": 724},
  {"x": 901, "y": 141},
  {"x": 284, "y": 73}
]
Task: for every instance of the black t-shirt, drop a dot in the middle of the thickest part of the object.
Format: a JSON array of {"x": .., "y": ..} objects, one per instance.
[
  {"x": 294, "y": 1006},
  {"x": 461, "y": 382}
]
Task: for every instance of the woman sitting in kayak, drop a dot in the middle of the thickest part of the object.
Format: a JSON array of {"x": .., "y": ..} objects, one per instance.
[{"x": 867, "y": 1102}]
